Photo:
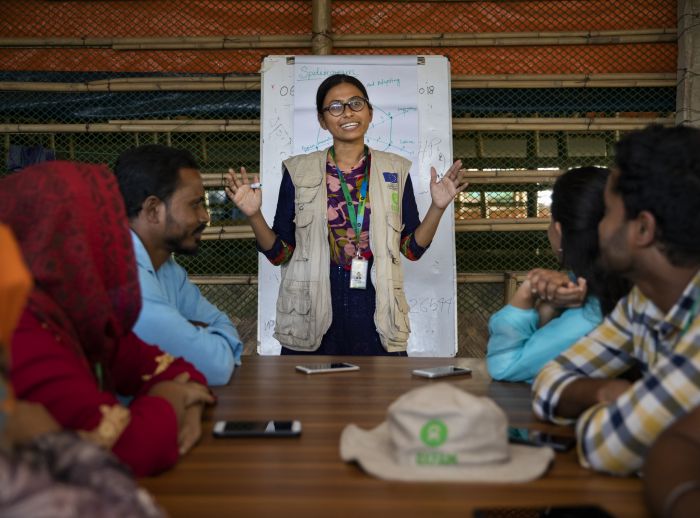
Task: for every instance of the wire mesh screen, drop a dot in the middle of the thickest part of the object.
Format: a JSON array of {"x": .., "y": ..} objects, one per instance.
[{"x": 538, "y": 87}]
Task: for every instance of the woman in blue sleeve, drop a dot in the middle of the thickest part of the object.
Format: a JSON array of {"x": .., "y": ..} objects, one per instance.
[
  {"x": 351, "y": 210},
  {"x": 553, "y": 309}
]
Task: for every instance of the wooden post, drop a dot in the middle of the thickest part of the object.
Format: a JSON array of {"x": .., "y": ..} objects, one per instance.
[
  {"x": 688, "y": 90},
  {"x": 321, "y": 42},
  {"x": 510, "y": 286}
]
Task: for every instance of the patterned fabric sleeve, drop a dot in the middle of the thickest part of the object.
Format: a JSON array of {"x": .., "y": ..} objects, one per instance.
[
  {"x": 280, "y": 253},
  {"x": 283, "y": 226},
  {"x": 149, "y": 442},
  {"x": 615, "y": 437},
  {"x": 605, "y": 353},
  {"x": 409, "y": 248}
]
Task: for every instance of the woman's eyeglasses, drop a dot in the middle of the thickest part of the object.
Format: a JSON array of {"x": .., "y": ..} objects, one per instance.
[{"x": 336, "y": 108}]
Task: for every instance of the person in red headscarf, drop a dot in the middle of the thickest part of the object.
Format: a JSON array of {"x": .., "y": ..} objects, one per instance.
[
  {"x": 73, "y": 350},
  {"x": 46, "y": 471}
]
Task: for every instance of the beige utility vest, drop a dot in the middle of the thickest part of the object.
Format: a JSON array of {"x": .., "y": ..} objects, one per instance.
[{"x": 304, "y": 311}]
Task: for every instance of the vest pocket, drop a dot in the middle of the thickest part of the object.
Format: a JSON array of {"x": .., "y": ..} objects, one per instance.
[
  {"x": 302, "y": 221},
  {"x": 399, "y": 311},
  {"x": 293, "y": 309},
  {"x": 394, "y": 245},
  {"x": 394, "y": 222}
]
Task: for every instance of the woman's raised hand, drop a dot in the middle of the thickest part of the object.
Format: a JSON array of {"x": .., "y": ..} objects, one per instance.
[
  {"x": 444, "y": 191},
  {"x": 247, "y": 199}
]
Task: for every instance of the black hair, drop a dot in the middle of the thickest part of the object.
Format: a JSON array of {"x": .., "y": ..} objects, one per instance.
[
  {"x": 578, "y": 205},
  {"x": 151, "y": 170},
  {"x": 659, "y": 172},
  {"x": 335, "y": 80}
]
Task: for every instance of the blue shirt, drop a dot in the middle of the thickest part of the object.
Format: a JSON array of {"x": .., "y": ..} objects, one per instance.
[
  {"x": 170, "y": 302},
  {"x": 518, "y": 348}
]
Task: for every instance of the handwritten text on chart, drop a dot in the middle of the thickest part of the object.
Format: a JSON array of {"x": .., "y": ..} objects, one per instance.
[
  {"x": 430, "y": 304},
  {"x": 286, "y": 90},
  {"x": 430, "y": 147},
  {"x": 311, "y": 73},
  {"x": 384, "y": 83}
]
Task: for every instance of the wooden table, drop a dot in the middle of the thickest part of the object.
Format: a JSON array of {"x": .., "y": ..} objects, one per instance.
[{"x": 305, "y": 475}]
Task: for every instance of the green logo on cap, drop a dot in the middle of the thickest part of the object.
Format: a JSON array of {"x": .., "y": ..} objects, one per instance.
[{"x": 433, "y": 433}]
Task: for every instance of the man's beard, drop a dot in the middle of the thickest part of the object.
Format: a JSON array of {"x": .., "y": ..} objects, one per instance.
[
  {"x": 612, "y": 256},
  {"x": 175, "y": 243}
]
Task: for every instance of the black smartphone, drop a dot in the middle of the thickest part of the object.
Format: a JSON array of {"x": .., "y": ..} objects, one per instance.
[
  {"x": 537, "y": 438},
  {"x": 257, "y": 429},
  {"x": 578, "y": 511}
]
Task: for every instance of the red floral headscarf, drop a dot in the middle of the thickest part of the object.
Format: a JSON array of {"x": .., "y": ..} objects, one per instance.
[{"x": 71, "y": 225}]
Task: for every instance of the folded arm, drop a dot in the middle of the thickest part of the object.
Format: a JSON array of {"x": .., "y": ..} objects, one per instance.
[
  {"x": 518, "y": 348},
  {"x": 617, "y": 422},
  {"x": 48, "y": 371},
  {"x": 214, "y": 349}
]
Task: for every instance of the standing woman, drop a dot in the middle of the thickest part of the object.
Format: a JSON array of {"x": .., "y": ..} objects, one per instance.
[{"x": 351, "y": 209}]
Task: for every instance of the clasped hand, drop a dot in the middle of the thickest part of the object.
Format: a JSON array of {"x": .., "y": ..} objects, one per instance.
[
  {"x": 557, "y": 288},
  {"x": 187, "y": 399}
]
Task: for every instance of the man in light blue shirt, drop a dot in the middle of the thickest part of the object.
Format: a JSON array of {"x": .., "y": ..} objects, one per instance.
[{"x": 164, "y": 197}]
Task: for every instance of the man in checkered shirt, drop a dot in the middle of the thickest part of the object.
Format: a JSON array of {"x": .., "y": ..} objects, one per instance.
[{"x": 651, "y": 235}]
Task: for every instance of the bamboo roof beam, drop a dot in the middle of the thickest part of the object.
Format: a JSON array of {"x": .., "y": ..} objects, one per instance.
[
  {"x": 501, "y": 225},
  {"x": 521, "y": 176},
  {"x": 231, "y": 280},
  {"x": 462, "y": 278},
  {"x": 461, "y": 225},
  {"x": 253, "y": 125},
  {"x": 557, "y": 124},
  {"x": 173, "y": 126},
  {"x": 563, "y": 81},
  {"x": 252, "y": 82},
  {"x": 505, "y": 39},
  {"x": 486, "y": 39}
]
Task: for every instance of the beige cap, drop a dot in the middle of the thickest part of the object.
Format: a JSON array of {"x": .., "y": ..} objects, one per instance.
[{"x": 441, "y": 433}]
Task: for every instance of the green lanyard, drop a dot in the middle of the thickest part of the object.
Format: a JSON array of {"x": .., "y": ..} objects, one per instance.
[{"x": 356, "y": 219}]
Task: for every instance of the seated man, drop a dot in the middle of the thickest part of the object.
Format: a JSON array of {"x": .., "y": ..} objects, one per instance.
[
  {"x": 650, "y": 234},
  {"x": 164, "y": 197}
]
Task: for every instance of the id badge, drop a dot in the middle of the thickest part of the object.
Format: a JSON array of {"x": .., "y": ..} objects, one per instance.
[{"x": 358, "y": 273}]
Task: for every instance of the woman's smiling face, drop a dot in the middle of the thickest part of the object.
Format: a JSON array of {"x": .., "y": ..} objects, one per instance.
[{"x": 349, "y": 126}]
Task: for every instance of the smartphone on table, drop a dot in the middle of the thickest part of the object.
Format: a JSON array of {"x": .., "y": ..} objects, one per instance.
[
  {"x": 537, "y": 438},
  {"x": 257, "y": 429},
  {"x": 441, "y": 372},
  {"x": 318, "y": 368}
]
